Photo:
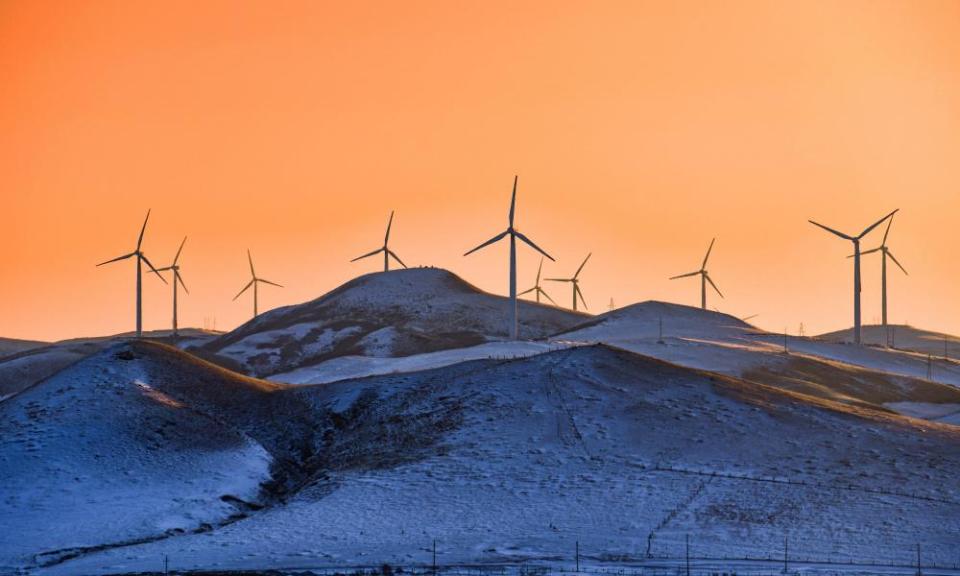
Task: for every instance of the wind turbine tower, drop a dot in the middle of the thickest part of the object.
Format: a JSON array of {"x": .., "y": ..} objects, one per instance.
[
  {"x": 704, "y": 278},
  {"x": 856, "y": 267},
  {"x": 885, "y": 253},
  {"x": 575, "y": 282},
  {"x": 254, "y": 281},
  {"x": 177, "y": 281},
  {"x": 141, "y": 257},
  {"x": 387, "y": 252},
  {"x": 536, "y": 287},
  {"x": 514, "y": 234}
]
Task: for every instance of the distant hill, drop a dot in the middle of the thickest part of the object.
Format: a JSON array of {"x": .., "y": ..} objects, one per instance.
[
  {"x": 22, "y": 369},
  {"x": 707, "y": 340},
  {"x": 10, "y": 346},
  {"x": 143, "y": 452},
  {"x": 902, "y": 337},
  {"x": 385, "y": 314}
]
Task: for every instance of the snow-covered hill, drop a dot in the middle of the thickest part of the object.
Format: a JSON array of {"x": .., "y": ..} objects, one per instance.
[
  {"x": 32, "y": 364},
  {"x": 903, "y": 338},
  {"x": 385, "y": 314},
  {"x": 498, "y": 460},
  {"x": 10, "y": 346},
  {"x": 720, "y": 343},
  {"x": 111, "y": 450}
]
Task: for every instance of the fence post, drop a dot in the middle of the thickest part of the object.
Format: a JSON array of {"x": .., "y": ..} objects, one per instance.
[
  {"x": 434, "y": 556},
  {"x": 166, "y": 565},
  {"x": 578, "y": 556},
  {"x": 688, "y": 554},
  {"x": 919, "y": 569},
  {"x": 786, "y": 551}
]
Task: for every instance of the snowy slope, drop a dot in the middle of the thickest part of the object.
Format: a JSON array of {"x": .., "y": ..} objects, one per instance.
[
  {"x": 10, "y": 346},
  {"x": 516, "y": 460},
  {"x": 24, "y": 368},
  {"x": 346, "y": 367},
  {"x": 386, "y": 314},
  {"x": 112, "y": 449},
  {"x": 902, "y": 337},
  {"x": 720, "y": 343}
]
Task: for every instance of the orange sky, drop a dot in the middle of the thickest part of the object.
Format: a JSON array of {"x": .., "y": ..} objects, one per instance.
[{"x": 639, "y": 129}]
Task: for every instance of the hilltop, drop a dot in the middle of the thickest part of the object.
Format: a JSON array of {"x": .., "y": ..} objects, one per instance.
[
  {"x": 33, "y": 363},
  {"x": 10, "y": 346},
  {"x": 902, "y": 337},
  {"x": 384, "y": 314}
]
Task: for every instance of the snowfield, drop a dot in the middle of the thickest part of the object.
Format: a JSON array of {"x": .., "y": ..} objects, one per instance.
[
  {"x": 499, "y": 460},
  {"x": 346, "y": 367}
]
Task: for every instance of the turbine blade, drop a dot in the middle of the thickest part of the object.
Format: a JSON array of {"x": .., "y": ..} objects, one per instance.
[
  {"x": 705, "y": 258},
  {"x": 887, "y": 231},
  {"x": 496, "y": 238},
  {"x": 155, "y": 271},
  {"x": 710, "y": 280},
  {"x": 558, "y": 279},
  {"x": 513, "y": 200},
  {"x": 895, "y": 261},
  {"x": 368, "y": 254},
  {"x": 582, "y": 265},
  {"x": 539, "y": 270},
  {"x": 250, "y": 258},
  {"x": 831, "y": 230},
  {"x": 269, "y": 282},
  {"x": 547, "y": 296},
  {"x": 877, "y": 223},
  {"x": 395, "y": 257},
  {"x": 386, "y": 237},
  {"x": 245, "y": 288},
  {"x": 142, "y": 229},
  {"x": 182, "y": 283},
  {"x": 685, "y": 275},
  {"x": 582, "y": 300},
  {"x": 177, "y": 257},
  {"x": 532, "y": 245},
  {"x": 865, "y": 252},
  {"x": 527, "y": 291},
  {"x": 118, "y": 258}
]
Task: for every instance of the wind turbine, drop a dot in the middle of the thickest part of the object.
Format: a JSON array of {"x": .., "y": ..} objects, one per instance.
[
  {"x": 514, "y": 234},
  {"x": 536, "y": 287},
  {"x": 141, "y": 257},
  {"x": 704, "y": 278},
  {"x": 856, "y": 267},
  {"x": 387, "y": 252},
  {"x": 576, "y": 283},
  {"x": 885, "y": 252},
  {"x": 254, "y": 281},
  {"x": 177, "y": 280}
]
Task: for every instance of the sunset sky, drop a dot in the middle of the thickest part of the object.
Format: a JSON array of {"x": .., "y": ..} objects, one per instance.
[{"x": 639, "y": 130}]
